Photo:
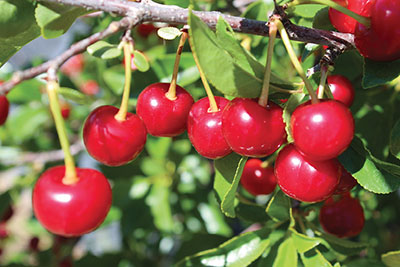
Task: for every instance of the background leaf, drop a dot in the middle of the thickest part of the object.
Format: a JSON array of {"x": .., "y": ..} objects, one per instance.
[
  {"x": 377, "y": 72},
  {"x": 392, "y": 258}
]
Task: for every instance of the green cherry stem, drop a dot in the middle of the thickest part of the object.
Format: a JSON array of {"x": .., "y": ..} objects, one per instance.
[
  {"x": 171, "y": 94},
  {"x": 322, "y": 82},
  {"x": 263, "y": 100},
  {"x": 295, "y": 61},
  {"x": 210, "y": 95},
  {"x": 361, "y": 19},
  {"x": 121, "y": 115},
  {"x": 70, "y": 170}
]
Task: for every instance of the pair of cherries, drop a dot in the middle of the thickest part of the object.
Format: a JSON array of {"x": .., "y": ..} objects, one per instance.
[{"x": 380, "y": 41}]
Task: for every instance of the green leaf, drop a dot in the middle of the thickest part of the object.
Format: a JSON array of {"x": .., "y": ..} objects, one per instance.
[
  {"x": 308, "y": 11},
  {"x": 74, "y": 95},
  {"x": 238, "y": 252},
  {"x": 251, "y": 212},
  {"x": 342, "y": 246},
  {"x": 314, "y": 258},
  {"x": 140, "y": 61},
  {"x": 228, "y": 171},
  {"x": 371, "y": 173},
  {"x": 158, "y": 200},
  {"x": 379, "y": 72},
  {"x": 395, "y": 140},
  {"x": 364, "y": 262},
  {"x": 279, "y": 207},
  {"x": 169, "y": 33},
  {"x": 26, "y": 92},
  {"x": 104, "y": 50},
  {"x": 5, "y": 200},
  {"x": 55, "y": 19},
  {"x": 392, "y": 258},
  {"x": 114, "y": 77},
  {"x": 287, "y": 254},
  {"x": 302, "y": 242},
  {"x": 321, "y": 20},
  {"x": 293, "y": 101},
  {"x": 158, "y": 147},
  {"x": 17, "y": 26}
]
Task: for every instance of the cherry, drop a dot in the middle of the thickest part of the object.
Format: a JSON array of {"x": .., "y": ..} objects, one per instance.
[
  {"x": 65, "y": 110},
  {"x": 343, "y": 217},
  {"x": 304, "y": 179},
  {"x": 3, "y": 230},
  {"x": 257, "y": 179},
  {"x": 342, "y": 22},
  {"x": 251, "y": 129},
  {"x": 205, "y": 129},
  {"x": 342, "y": 89},
  {"x": 4, "y": 107},
  {"x": 322, "y": 131},
  {"x": 381, "y": 41},
  {"x": 347, "y": 182},
  {"x": 145, "y": 29},
  {"x": 110, "y": 141},
  {"x": 73, "y": 66},
  {"x": 161, "y": 115},
  {"x": 133, "y": 66},
  {"x": 90, "y": 87},
  {"x": 75, "y": 209}
]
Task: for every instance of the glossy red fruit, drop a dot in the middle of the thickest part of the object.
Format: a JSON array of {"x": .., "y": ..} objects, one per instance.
[
  {"x": 71, "y": 210},
  {"x": 342, "y": 89},
  {"x": 304, "y": 179},
  {"x": 347, "y": 182},
  {"x": 251, "y": 129},
  {"x": 257, "y": 179},
  {"x": 162, "y": 116},
  {"x": 205, "y": 129},
  {"x": 110, "y": 141},
  {"x": 343, "y": 217},
  {"x": 342, "y": 22},
  {"x": 381, "y": 41},
  {"x": 4, "y": 107},
  {"x": 322, "y": 131},
  {"x": 65, "y": 110},
  {"x": 145, "y": 29},
  {"x": 73, "y": 66},
  {"x": 90, "y": 87}
]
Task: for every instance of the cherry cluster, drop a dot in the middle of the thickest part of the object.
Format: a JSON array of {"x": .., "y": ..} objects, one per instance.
[{"x": 380, "y": 41}]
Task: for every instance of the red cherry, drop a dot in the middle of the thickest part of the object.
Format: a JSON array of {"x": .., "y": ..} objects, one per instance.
[
  {"x": 133, "y": 66},
  {"x": 73, "y": 66},
  {"x": 205, "y": 129},
  {"x": 257, "y": 179},
  {"x": 381, "y": 41},
  {"x": 162, "y": 116},
  {"x": 251, "y": 129},
  {"x": 342, "y": 218},
  {"x": 347, "y": 182},
  {"x": 4, "y": 107},
  {"x": 71, "y": 210},
  {"x": 342, "y": 89},
  {"x": 90, "y": 87},
  {"x": 3, "y": 230},
  {"x": 304, "y": 179},
  {"x": 65, "y": 110},
  {"x": 110, "y": 141},
  {"x": 342, "y": 22},
  {"x": 145, "y": 29},
  {"x": 322, "y": 131}
]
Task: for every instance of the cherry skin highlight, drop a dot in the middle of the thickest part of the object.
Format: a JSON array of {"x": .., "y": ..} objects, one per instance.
[
  {"x": 205, "y": 129},
  {"x": 342, "y": 89},
  {"x": 347, "y": 182},
  {"x": 322, "y": 131},
  {"x": 256, "y": 179},
  {"x": 381, "y": 41},
  {"x": 71, "y": 210},
  {"x": 343, "y": 217},
  {"x": 4, "y": 107},
  {"x": 113, "y": 142},
  {"x": 162, "y": 116},
  {"x": 251, "y": 129},
  {"x": 304, "y": 179},
  {"x": 342, "y": 22}
]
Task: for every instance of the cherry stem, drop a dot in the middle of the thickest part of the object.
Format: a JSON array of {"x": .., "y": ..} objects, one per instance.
[
  {"x": 128, "y": 49},
  {"x": 171, "y": 94},
  {"x": 210, "y": 95},
  {"x": 361, "y": 19},
  {"x": 322, "y": 82},
  {"x": 263, "y": 100},
  {"x": 295, "y": 61},
  {"x": 70, "y": 170},
  {"x": 269, "y": 161}
]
